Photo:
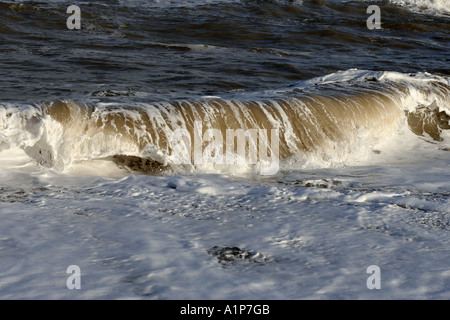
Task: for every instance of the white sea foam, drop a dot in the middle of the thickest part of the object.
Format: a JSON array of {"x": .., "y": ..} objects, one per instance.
[
  {"x": 141, "y": 237},
  {"x": 305, "y": 233},
  {"x": 430, "y": 6},
  {"x": 433, "y": 7}
]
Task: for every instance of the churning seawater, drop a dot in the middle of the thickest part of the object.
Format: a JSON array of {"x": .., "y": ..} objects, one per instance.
[{"x": 99, "y": 141}]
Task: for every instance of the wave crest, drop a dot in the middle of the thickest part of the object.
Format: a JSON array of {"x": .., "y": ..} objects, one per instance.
[{"x": 333, "y": 120}]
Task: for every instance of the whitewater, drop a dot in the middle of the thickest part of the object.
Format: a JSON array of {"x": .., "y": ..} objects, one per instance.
[
  {"x": 115, "y": 157},
  {"x": 171, "y": 236}
]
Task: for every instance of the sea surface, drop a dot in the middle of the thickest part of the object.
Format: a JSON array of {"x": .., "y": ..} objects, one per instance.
[{"x": 225, "y": 149}]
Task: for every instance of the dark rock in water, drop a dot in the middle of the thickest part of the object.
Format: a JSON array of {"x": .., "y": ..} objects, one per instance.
[
  {"x": 227, "y": 255},
  {"x": 172, "y": 185},
  {"x": 429, "y": 120},
  {"x": 139, "y": 165}
]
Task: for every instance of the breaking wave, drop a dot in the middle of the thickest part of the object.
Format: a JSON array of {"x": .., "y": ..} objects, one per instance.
[
  {"x": 332, "y": 120},
  {"x": 440, "y": 7}
]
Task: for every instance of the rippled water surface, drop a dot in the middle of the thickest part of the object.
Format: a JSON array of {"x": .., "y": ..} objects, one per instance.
[
  {"x": 87, "y": 170},
  {"x": 170, "y": 49}
]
